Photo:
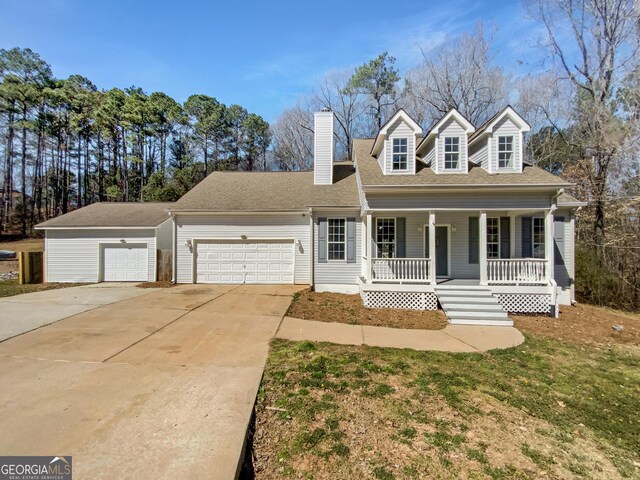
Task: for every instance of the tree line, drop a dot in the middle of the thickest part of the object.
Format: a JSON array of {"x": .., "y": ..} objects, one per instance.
[{"x": 66, "y": 144}]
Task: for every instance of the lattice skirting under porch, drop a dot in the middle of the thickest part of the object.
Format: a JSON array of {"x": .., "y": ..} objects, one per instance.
[
  {"x": 404, "y": 300},
  {"x": 524, "y": 302}
]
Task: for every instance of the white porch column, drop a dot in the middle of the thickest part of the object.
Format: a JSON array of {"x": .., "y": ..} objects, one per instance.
[
  {"x": 432, "y": 248},
  {"x": 482, "y": 258},
  {"x": 369, "y": 247},
  {"x": 548, "y": 243},
  {"x": 512, "y": 235}
]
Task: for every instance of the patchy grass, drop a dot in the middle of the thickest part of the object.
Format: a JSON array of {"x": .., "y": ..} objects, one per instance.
[
  {"x": 544, "y": 409},
  {"x": 337, "y": 307},
  {"x": 26, "y": 245},
  {"x": 9, "y": 288},
  {"x": 584, "y": 324}
]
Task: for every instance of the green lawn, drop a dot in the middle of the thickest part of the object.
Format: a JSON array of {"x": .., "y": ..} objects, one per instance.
[{"x": 543, "y": 409}]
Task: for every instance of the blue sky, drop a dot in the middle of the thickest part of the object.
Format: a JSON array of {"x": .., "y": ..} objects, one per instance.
[{"x": 261, "y": 55}]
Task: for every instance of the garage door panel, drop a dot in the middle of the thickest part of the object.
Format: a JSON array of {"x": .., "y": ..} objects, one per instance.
[
  {"x": 245, "y": 262},
  {"x": 125, "y": 263}
]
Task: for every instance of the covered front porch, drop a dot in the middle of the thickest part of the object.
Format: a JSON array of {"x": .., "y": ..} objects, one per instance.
[
  {"x": 412, "y": 258},
  {"x": 481, "y": 247}
]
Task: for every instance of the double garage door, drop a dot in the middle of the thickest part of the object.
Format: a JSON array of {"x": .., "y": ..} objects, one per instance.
[
  {"x": 125, "y": 263},
  {"x": 269, "y": 261}
]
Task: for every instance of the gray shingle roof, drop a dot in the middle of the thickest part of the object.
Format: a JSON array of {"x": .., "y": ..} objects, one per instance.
[
  {"x": 270, "y": 191},
  {"x": 112, "y": 214},
  {"x": 371, "y": 174}
]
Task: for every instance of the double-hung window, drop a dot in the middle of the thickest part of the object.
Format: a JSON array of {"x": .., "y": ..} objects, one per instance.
[
  {"x": 336, "y": 238},
  {"x": 505, "y": 152},
  {"x": 386, "y": 237},
  {"x": 451, "y": 153},
  {"x": 400, "y": 154},
  {"x": 493, "y": 237},
  {"x": 538, "y": 237}
]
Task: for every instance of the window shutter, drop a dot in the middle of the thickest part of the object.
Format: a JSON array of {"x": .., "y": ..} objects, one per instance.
[
  {"x": 527, "y": 247},
  {"x": 474, "y": 239},
  {"x": 505, "y": 237},
  {"x": 351, "y": 240},
  {"x": 401, "y": 244},
  {"x": 322, "y": 240},
  {"x": 558, "y": 236}
]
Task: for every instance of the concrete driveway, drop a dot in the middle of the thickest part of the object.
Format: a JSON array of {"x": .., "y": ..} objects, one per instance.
[{"x": 153, "y": 384}]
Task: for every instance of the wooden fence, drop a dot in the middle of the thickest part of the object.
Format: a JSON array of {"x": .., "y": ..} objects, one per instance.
[{"x": 30, "y": 267}]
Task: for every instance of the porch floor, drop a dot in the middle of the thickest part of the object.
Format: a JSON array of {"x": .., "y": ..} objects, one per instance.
[{"x": 458, "y": 281}]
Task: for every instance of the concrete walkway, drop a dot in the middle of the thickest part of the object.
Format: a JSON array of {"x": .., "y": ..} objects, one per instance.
[{"x": 453, "y": 338}]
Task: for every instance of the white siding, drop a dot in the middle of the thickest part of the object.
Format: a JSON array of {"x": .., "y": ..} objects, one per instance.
[
  {"x": 479, "y": 153},
  {"x": 337, "y": 272},
  {"x": 430, "y": 154},
  {"x": 323, "y": 148},
  {"x": 452, "y": 129},
  {"x": 565, "y": 274},
  {"x": 400, "y": 130},
  {"x": 164, "y": 233},
  {"x": 73, "y": 255},
  {"x": 506, "y": 127},
  {"x": 253, "y": 226},
  {"x": 502, "y": 200}
]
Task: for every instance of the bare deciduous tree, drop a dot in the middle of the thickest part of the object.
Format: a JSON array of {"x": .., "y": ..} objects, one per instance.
[
  {"x": 292, "y": 137},
  {"x": 594, "y": 43},
  {"x": 459, "y": 74}
]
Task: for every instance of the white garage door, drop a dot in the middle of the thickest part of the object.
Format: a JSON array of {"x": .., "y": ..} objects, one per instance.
[
  {"x": 244, "y": 262},
  {"x": 125, "y": 263}
]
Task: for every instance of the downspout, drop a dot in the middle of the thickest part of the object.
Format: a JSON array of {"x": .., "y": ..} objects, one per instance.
[
  {"x": 311, "y": 243},
  {"x": 174, "y": 259}
]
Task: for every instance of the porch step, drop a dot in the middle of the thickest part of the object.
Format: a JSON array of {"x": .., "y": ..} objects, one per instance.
[
  {"x": 472, "y": 306},
  {"x": 466, "y": 299}
]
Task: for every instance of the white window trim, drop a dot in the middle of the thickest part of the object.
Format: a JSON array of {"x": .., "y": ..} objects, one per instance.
[
  {"x": 395, "y": 236},
  {"x": 458, "y": 152},
  {"x": 337, "y": 260},
  {"x": 493, "y": 243},
  {"x": 406, "y": 154},
  {"x": 533, "y": 236},
  {"x": 512, "y": 151}
]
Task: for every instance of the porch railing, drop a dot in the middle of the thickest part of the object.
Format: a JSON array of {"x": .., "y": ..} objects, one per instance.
[
  {"x": 400, "y": 270},
  {"x": 515, "y": 271}
]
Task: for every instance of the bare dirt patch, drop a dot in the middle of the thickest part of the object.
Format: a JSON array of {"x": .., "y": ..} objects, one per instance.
[
  {"x": 7, "y": 266},
  {"x": 584, "y": 323},
  {"x": 340, "y": 308}
]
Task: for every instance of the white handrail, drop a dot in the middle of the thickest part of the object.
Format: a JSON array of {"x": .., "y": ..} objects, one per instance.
[
  {"x": 515, "y": 271},
  {"x": 412, "y": 270}
]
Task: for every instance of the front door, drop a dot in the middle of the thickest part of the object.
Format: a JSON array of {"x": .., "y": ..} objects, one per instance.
[{"x": 442, "y": 249}]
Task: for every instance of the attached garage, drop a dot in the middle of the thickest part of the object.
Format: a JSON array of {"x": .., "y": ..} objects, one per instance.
[
  {"x": 106, "y": 242},
  {"x": 238, "y": 261}
]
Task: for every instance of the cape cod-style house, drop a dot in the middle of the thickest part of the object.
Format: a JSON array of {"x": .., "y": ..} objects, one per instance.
[{"x": 453, "y": 217}]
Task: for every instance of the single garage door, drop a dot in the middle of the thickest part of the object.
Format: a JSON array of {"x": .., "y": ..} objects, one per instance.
[
  {"x": 125, "y": 263},
  {"x": 269, "y": 261}
]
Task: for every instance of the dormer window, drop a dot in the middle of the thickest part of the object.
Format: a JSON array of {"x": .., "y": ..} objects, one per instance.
[
  {"x": 400, "y": 154},
  {"x": 505, "y": 152},
  {"x": 452, "y": 153}
]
